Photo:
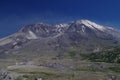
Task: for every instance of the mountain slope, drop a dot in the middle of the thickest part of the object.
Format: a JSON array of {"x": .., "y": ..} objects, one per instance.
[{"x": 41, "y": 39}]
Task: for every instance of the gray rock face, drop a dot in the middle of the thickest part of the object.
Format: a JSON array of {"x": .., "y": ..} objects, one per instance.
[
  {"x": 4, "y": 75},
  {"x": 83, "y": 35}
]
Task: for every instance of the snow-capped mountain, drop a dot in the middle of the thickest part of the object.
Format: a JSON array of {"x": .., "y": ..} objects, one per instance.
[{"x": 81, "y": 35}]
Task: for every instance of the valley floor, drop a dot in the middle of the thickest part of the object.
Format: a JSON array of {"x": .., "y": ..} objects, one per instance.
[{"x": 79, "y": 70}]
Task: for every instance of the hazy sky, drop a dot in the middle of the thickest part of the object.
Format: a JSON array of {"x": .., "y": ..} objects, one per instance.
[{"x": 14, "y": 14}]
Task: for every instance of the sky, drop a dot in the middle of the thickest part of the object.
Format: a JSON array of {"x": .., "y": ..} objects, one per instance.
[{"x": 15, "y": 14}]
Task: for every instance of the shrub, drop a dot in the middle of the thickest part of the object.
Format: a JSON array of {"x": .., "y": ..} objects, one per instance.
[{"x": 72, "y": 54}]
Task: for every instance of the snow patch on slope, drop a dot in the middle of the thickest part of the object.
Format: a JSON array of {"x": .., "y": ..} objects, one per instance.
[
  {"x": 83, "y": 28},
  {"x": 31, "y": 35},
  {"x": 91, "y": 25},
  {"x": 111, "y": 28},
  {"x": 61, "y": 25}
]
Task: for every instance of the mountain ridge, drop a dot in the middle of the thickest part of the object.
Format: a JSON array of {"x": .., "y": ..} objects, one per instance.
[{"x": 82, "y": 36}]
